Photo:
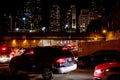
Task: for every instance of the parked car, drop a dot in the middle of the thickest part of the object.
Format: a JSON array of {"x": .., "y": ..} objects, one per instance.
[
  {"x": 98, "y": 57},
  {"x": 107, "y": 71},
  {"x": 44, "y": 60}
]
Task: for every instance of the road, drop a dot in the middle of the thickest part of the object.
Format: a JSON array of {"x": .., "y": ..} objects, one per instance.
[{"x": 79, "y": 74}]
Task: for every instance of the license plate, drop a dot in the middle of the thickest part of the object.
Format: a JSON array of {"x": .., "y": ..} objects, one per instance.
[{"x": 69, "y": 59}]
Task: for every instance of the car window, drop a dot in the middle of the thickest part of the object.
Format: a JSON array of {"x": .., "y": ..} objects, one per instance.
[
  {"x": 67, "y": 53},
  {"x": 29, "y": 52},
  {"x": 47, "y": 52},
  {"x": 98, "y": 53}
]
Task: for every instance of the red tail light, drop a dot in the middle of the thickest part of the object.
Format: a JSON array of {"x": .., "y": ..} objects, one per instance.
[
  {"x": 64, "y": 48},
  {"x": 4, "y": 48},
  {"x": 31, "y": 52},
  {"x": 61, "y": 60}
]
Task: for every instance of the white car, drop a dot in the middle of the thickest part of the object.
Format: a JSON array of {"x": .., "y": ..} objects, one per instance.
[{"x": 5, "y": 58}]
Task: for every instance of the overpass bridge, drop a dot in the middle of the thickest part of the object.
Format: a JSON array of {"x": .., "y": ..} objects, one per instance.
[{"x": 50, "y": 35}]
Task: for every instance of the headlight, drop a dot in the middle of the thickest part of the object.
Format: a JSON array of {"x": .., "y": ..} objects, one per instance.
[
  {"x": 99, "y": 71},
  {"x": 4, "y": 59}
]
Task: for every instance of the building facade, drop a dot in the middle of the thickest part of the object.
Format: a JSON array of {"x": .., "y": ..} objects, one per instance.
[
  {"x": 55, "y": 18},
  {"x": 86, "y": 16},
  {"x": 115, "y": 21}
]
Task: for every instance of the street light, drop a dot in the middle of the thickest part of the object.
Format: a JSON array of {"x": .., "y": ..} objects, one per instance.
[
  {"x": 24, "y": 21},
  {"x": 104, "y": 31}
]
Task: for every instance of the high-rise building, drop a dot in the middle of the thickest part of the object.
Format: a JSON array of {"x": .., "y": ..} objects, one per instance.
[
  {"x": 87, "y": 15},
  {"x": 83, "y": 20},
  {"x": 73, "y": 18},
  {"x": 69, "y": 19},
  {"x": 28, "y": 17},
  {"x": 114, "y": 22},
  {"x": 55, "y": 18}
]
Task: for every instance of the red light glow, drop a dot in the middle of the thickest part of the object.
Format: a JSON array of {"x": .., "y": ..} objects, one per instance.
[
  {"x": 31, "y": 52},
  {"x": 4, "y": 48},
  {"x": 61, "y": 60}
]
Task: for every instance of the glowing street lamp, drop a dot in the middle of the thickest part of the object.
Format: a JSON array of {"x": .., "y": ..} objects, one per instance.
[
  {"x": 24, "y": 21},
  {"x": 104, "y": 31},
  {"x": 23, "y": 18}
]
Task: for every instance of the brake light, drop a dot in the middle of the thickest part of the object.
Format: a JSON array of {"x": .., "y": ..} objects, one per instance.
[
  {"x": 64, "y": 48},
  {"x": 31, "y": 52},
  {"x": 4, "y": 48},
  {"x": 61, "y": 60}
]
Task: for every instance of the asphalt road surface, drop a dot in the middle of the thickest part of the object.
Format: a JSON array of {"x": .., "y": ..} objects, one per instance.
[{"x": 79, "y": 74}]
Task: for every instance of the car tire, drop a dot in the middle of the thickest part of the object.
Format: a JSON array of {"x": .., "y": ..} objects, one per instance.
[
  {"x": 13, "y": 68},
  {"x": 47, "y": 73},
  {"x": 114, "y": 77}
]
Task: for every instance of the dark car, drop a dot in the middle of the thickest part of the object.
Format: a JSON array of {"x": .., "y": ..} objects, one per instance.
[
  {"x": 98, "y": 57},
  {"x": 44, "y": 60}
]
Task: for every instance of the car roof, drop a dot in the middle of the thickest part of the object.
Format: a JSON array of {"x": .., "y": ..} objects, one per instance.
[
  {"x": 107, "y": 65},
  {"x": 106, "y": 51},
  {"x": 49, "y": 50}
]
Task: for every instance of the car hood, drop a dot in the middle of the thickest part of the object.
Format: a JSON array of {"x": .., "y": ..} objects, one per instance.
[{"x": 107, "y": 65}]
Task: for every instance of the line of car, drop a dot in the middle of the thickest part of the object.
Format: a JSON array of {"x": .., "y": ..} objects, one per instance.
[
  {"x": 106, "y": 63},
  {"x": 98, "y": 57}
]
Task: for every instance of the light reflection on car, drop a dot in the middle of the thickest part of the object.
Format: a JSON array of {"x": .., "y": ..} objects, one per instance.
[
  {"x": 107, "y": 71},
  {"x": 98, "y": 57},
  {"x": 4, "y": 59}
]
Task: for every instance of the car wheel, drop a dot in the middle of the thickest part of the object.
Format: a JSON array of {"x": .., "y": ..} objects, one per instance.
[
  {"x": 13, "y": 68},
  {"x": 47, "y": 74},
  {"x": 114, "y": 77}
]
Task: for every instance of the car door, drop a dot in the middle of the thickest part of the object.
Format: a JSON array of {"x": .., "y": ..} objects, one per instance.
[{"x": 28, "y": 60}]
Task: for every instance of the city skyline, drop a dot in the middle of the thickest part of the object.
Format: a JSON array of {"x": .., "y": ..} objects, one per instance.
[
  {"x": 110, "y": 23},
  {"x": 42, "y": 10}
]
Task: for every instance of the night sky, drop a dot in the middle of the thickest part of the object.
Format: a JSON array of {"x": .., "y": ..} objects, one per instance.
[
  {"x": 10, "y": 3},
  {"x": 14, "y": 5},
  {"x": 80, "y": 3},
  {"x": 17, "y": 3}
]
